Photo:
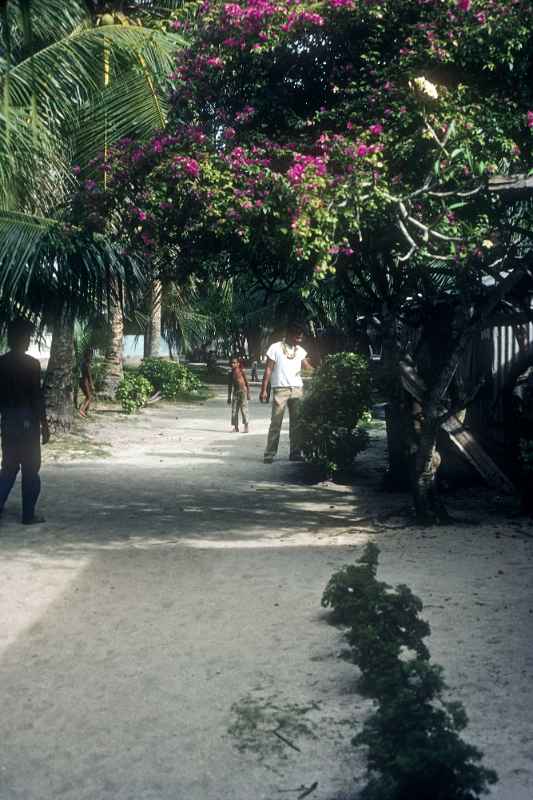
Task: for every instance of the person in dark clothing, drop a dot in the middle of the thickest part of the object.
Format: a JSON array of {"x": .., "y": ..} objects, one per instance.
[{"x": 23, "y": 419}]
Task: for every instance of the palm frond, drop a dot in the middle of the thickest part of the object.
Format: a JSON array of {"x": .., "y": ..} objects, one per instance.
[
  {"x": 45, "y": 264},
  {"x": 129, "y": 106},
  {"x": 33, "y": 172},
  {"x": 184, "y": 323},
  {"x": 50, "y": 20},
  {"x": 71, "y": 70}
]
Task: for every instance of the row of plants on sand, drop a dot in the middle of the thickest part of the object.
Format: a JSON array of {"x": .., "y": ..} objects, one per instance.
[{"x": 412, "y": 737}]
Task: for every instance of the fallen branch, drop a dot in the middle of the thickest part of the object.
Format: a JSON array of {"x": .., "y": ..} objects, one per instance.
[
  {"x": 308, "y": 791},
  {"x": 287, "y": 741}
]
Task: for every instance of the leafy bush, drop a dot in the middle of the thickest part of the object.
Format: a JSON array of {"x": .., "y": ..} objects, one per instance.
[
  {"x": 171, "y": 379},
  {"x": 414, "y": 747},
  {"x": 98, "y": 370},
  {"x": 133, "y": 392},
  {"x": 337, "y": 398}
]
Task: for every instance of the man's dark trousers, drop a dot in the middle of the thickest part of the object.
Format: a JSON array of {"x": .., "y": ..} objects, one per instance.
[{"x": 21, "y": 449}]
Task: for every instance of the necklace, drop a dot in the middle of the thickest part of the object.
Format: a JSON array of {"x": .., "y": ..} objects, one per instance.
[{"x": 286, "y": 352}]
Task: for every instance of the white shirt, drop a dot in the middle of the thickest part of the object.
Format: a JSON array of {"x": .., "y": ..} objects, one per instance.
[{"x": 286, "y": 371}]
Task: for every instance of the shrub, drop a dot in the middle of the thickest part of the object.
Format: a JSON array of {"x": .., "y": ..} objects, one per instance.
[
  {"x": 414, "y": 747},
  {"x": 337, "y": 398},
  {"x": 171, "y": 379},
  {"x": 133, "y": 392},
  {"x": 98, "y": 369}
]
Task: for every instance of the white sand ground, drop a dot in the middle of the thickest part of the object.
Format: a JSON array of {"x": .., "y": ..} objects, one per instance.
[{"x": 166, "y": 620}]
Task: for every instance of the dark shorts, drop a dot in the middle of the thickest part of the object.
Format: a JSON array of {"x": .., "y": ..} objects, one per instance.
[{"x": 21, "y": 442}]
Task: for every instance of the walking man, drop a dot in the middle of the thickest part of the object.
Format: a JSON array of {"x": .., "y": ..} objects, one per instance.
[
  {"x": 23, "y": 418},
  {"x": 285, "y": 360}
]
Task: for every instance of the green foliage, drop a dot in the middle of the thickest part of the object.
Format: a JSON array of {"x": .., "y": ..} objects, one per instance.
[
  {"x": 331, "y": 410},
  {"x": 171, "y": 379},
  {"x": 133, "y": 392},
  {"x": 414, "y": 747}
]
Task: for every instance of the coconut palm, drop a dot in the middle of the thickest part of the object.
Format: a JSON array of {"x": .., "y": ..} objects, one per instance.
[{"x": 75, "y": 78}]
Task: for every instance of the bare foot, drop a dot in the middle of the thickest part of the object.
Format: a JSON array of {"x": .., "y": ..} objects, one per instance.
[{"x": 235, "y": 429}]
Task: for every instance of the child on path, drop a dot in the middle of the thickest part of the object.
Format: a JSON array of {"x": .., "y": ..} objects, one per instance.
[
  {"x": 86, "y": 381},
  {"x": 238, "y": 394}
]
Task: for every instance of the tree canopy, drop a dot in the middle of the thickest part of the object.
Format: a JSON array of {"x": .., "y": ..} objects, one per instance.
[{"x": 307, "y": 136}]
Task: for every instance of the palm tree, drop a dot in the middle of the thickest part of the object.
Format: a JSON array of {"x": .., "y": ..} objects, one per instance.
[{"x": 75, "y": 78}]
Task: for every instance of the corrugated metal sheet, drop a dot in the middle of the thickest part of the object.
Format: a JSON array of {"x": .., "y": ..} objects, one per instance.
[{"x": 506, "y": 350}]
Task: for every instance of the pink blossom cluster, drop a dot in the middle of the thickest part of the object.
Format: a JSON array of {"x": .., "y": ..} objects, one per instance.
[
  {"x": 245, "y": 115},
  {"x": 250, "y": 16},
  {"x": 298, "y": 17},
  {"x": 530, "y": 119},
  {"x": 189, "y": 166},
  {"x": 316, "y": 164},
  {"x": 139, "y": 214},
  {"x": 341, "y": 250}
]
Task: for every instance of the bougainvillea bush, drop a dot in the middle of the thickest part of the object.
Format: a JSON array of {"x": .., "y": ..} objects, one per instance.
[
  {"x": 347, "y": 139},
  {"x": 297, "y": 126}
]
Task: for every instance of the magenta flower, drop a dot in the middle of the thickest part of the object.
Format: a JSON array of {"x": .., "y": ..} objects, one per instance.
[
  {"x": 90, "y": 185},
  {"x": 229, "y": 133},
  {"x": 215, "y": 61},
  {"x": 530, "y": 119},
  {"x": 464, "y": 5},
  {"x": 362, "y": 150},
  {"x": 376, "y": 130},
  {"x": 76, "y": 169}
]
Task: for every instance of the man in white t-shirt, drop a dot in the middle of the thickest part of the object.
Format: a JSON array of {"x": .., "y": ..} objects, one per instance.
[{"x": 285, "y": 360}]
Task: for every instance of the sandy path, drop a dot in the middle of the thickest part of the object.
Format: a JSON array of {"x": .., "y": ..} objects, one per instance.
[{"x": 166, "y": 620}]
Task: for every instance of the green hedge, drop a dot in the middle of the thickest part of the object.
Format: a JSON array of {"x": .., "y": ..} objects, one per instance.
[
  {"x": 173, "y": 380},
  {"x": 336, "y": 400},
  {"x": 133, "y": 391}
]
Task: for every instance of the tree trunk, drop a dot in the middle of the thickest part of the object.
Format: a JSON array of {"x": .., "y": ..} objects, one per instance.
[
  {"x": 254, "y": 337},
  {"x": 429, "y": 507},
  {"x": 113, "y": 369},
  {"x": 398, "y": 413},
  {"x": 58, "y": 382},
  {"x": 155, "y": 320},
  {"x": 146, "y": 342},
  {"x": 398, "y": 474}
]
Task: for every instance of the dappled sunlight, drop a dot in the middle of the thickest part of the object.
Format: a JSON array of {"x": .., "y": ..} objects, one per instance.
[
  {"x": 288, "y": 539},
  {"x": 30, "y": 584}
]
